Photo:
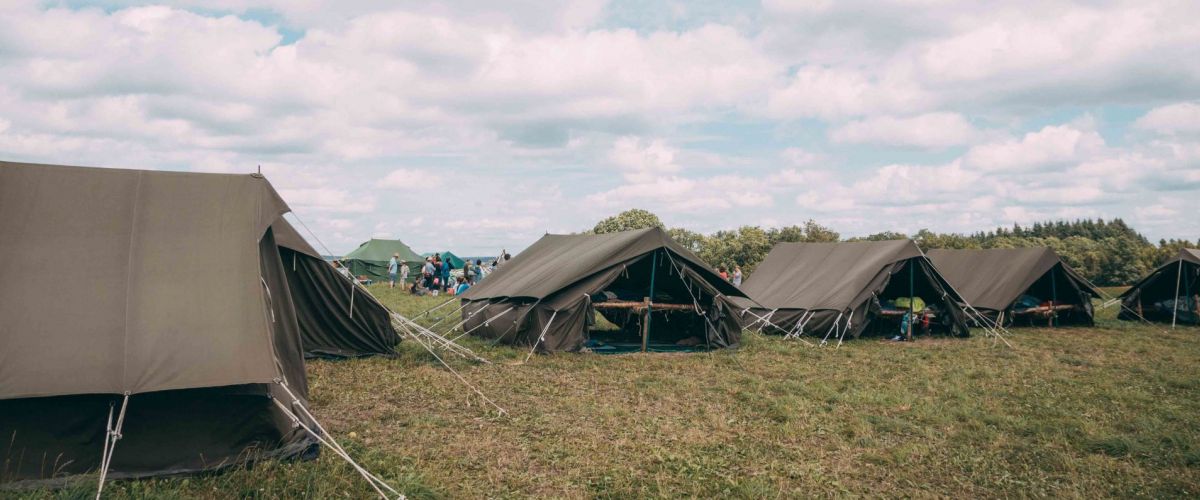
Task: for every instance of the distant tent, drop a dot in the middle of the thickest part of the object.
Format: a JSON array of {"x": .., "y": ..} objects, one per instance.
[
  {"x": 454, "y": 260},
  {"x": 177, "y": 309},
  {"x": 840, "y": 290},
  {"x": 336, "y": 319},
  {"x": 1029, "y": 286},
  {"x": 371, "y": 259},
  {"x": 547, "y": 296},
  {"x": 1168, "y": 294}
]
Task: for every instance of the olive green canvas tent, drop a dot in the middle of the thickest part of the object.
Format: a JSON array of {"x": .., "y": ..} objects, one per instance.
[
  {"x": 660, "y": 294},
  {"x": 1018, "y": 286},
  {"x": 1169, "y": 294},
  {"x": 371, "y": 258},
  {"x": 847, "y": 289},
  {"x": 173, "y": 348}
]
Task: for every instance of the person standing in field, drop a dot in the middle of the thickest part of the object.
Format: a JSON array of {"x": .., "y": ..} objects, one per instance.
[
  {"x": 468, "y": 273},
  {"x": 438, "y": 283},
  {"x": 737, "y": 276},
  {"x": 427, "y": 273},
  {"x": 478, "y": 271},
  {"x": 393, "y": 269},
  {"x": 446, "y": 268},
  {"x": 403, "y": 274}
]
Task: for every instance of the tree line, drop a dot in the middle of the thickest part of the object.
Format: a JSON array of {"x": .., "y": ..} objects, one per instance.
[{"x": 1107, "y": 252}]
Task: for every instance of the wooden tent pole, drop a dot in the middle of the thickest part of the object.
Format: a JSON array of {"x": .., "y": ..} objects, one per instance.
[{"x": 1175, "y": 309}]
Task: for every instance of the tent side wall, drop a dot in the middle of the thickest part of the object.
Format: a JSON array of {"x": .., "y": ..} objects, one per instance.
[
  {"x": 47, "y": 439},
  {"x": 323, "y": 301}
]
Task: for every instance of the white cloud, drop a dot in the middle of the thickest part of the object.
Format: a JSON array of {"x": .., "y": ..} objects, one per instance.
[
  {"x": 1178, "y": 118},
  {"x": 643, "y": 163},
  {"x": 409, "y": 178},
  {"x": 833, "y": 93},
  {"x": 930, "y": 130},
  {"x": 548, "y": 117},
  {"x": 1052, "y": 145}
]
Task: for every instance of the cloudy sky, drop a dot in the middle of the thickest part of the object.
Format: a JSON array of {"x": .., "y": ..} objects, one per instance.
[{"x": 473, "y": 127}]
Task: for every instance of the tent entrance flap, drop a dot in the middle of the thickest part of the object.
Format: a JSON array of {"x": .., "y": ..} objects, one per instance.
[
  {"x": 650, "y": 309},
  {"x": 1052, "y": 300},
  {"x": 910, "y": 303}
]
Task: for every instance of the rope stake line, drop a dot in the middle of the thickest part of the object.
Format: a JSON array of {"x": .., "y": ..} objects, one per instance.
[
  {"x": 484, "y": 323},
  {"x": 372, "y": 480},
  {"x": 541, "y": 337}
]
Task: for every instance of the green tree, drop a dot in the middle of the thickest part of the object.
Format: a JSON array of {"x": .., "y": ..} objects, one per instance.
[
  {"x": 689, "y": 239},
  {"x": 746, "y": 247},
  {"x": 884, "y": 236},
  {"x": 927, "y": 239},
  {"x": 809, "y": 232},
  {"x": 630, "y": 219}
]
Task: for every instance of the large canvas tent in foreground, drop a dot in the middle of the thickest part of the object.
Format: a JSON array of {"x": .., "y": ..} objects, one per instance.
[
  {"x": 1026, "y": 286},
  {"x": 337, "y": 319},
  {"x": 1170, "y": 294},
  {"x": 547, "y": 296},
  {"x": 846, "y": 289},
  {"x": 177, "y": 329},
  {"x": 371, "y": 258}
]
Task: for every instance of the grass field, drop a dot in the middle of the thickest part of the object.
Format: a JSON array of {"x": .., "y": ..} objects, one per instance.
[{"x": 1108, "y": 411}]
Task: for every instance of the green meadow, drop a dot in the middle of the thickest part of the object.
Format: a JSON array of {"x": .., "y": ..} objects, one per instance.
[{"x": 1109, "y": 411}]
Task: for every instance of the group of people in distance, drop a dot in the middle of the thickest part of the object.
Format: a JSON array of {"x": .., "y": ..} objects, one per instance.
[
  {"x": 435, "y": 276},
  {"x": 735, "y": 277}
]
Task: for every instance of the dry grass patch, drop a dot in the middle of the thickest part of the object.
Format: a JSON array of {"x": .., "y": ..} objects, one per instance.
[{"x": 1105, "y": 411}]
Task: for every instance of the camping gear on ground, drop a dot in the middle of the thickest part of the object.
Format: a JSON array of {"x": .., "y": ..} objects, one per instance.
[
  {"x": 838, "y": 290},
  {"x": 546, "y": 297},
  {"x": 1165, "y": 294},
  {"x": 1018, "y": 286},
  {"x": 371, "y": 259}
]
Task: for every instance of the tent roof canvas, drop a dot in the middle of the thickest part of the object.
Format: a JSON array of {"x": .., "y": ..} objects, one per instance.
[
  {"x": 558, "y": 261},
  {"x": 377, "y": 250},
  {"x": 163, "y": 259},
  {"x": 996, "y": 277},
  {"x": 1190, "y": 254},
  {"x": 822, "y": 276}
]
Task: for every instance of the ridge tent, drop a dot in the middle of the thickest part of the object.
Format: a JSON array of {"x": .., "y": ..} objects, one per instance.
[
  {"x": 454, "y": 260},
  {"x": 1169, "y": 294},
  {"x": 336, "y": 320},
  {"x": 547, "y": 296},
  {"x": 846, "y": 289},
  {"x": 1024, "y": 285},
  {"x": 176, "y": 329},
  {"x": 371, "y": 258}
]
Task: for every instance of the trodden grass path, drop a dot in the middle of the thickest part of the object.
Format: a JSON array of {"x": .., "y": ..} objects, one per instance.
[{"x": 1108, "y": 411}]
